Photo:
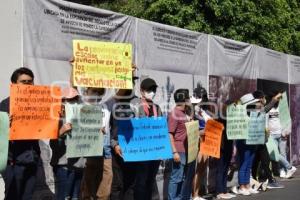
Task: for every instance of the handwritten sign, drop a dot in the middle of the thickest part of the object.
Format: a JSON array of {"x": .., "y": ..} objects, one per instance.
[
  {"x": 102, "y": 64},
  {"x": 35, "y": 111},
  {"x": 212, "y": 139},
  {"x": 273, "y": 149},
  {"x": 4, "y": 130},
  {"x": 237, "y": 122},
  {"x": 257, "y": 126},
  {"x": 85, "y": 139},
  {"x": 193, "y": 139},
  {"x": 144, "y": 139},
  {"x": 284, "y": 113}
]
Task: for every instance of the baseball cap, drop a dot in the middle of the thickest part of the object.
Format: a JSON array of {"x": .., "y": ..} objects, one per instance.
[{"x": 148, "y": 83}]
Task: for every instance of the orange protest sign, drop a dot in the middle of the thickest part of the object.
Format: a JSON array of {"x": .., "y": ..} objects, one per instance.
[
  {"x": 35, "y": 112},
  {"x": 212, "y": 139}
]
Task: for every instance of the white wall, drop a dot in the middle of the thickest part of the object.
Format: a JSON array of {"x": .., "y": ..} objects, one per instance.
[
  {"x": 11, "y": 41},
  {"x": 11, "y": 48}
]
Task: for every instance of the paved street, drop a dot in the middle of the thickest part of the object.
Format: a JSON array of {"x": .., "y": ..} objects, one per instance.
[{"x": 290, "y": 192}]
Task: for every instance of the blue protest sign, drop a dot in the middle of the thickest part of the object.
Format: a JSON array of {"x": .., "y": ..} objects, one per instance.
[{"x": 143, "y": 139}]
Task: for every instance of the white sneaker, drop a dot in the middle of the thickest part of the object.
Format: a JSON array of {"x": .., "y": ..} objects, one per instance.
[
  {"x": 235, "y": 190},
  {"x": 282, "y": 174},
  {"x": 232, "y": 195},
  {"x": 244, "y": 192},
  {"x": 290, "y": 172},
  {"x": 224, "y": 196},
  {"x": 198, "y": 198}
]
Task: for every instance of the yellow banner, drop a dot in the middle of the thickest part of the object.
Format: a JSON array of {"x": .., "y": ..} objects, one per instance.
[{"x": 102, "y": 64}]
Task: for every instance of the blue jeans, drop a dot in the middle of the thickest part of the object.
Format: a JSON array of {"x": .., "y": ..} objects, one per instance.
[
  {"x": 281, "y": 143},
  {"x": 67, "y": 183},
  {"x": 180, "y": 184},
  {"x": 246, "y": 156}
]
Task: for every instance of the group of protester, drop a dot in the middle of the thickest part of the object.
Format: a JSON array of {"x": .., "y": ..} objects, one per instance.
[{"x": 110, "y": 177}]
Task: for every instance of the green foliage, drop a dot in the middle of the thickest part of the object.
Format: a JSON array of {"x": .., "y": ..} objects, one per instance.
[{"x": 273, "y": 24}]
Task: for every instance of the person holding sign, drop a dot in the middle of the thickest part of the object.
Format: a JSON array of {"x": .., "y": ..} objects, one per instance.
[
  {"x": 182, "y": 172},
  {"x": 261, "y": 165},
  {"x": 246, "y": 152},
  {"x": 146, "y": 170},
  {"x": 123, "y": 172},
  {"x": 280, "y": 137},
  {"x": 223, "y": 162},
  {"x": 67, "y": 171},
  {"x": 23, "y": 155},
  {"x": 97, "y": 178},
  {"x": 201, "y": 114}
]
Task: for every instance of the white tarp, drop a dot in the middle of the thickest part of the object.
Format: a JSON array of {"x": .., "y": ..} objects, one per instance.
[
  {"x": 11, "y": 42},
  {"x": 231, "y": 58},
  {"x": 294, "y": 69},
  {"x": 51, "y": 25},
  {"x": 166, "y": 48},
  {"x": 272, "y": 65}
]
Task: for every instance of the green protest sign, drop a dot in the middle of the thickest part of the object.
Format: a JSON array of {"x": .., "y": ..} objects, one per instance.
[
  {"x": 284, "y": 113},
  {"x": 85, "y": 139},
  {"x": 237, "y": 122},
  {"x": 257, "y": 126},
  {"x": 273, "y": 149},
  {"x": 4, "y": 132}
]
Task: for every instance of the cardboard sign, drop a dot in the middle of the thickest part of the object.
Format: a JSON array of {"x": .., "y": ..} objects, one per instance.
[
  {"x": 257, "y": 127},
  {"x": 102, "y": 64},
  {"x": 192, "y": 129},
  {"x": 237, "y": 122},
  {"x": 212, "y": 139},
  {"x": 35, "y": 112},
  {"x": 273, "y": 149},
  {"x": 4, "y": 131},
  {"x": 284, "y": 113},
  {"x": 85, "y": 139}
]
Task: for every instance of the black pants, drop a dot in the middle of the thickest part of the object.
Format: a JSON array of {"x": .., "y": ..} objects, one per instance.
[
  {"x": 261, "y": 166},
  {"x": 123, "y": 179},
  {"x": 19, "y": 182},
  {"x": 145, "y": 179},
  {"x": 223, "y": 166}
]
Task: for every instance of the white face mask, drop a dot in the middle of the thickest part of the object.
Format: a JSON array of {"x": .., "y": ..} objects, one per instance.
[
  {"x": 197, "y": 109},
  {"x": 149, "y": 95}
]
